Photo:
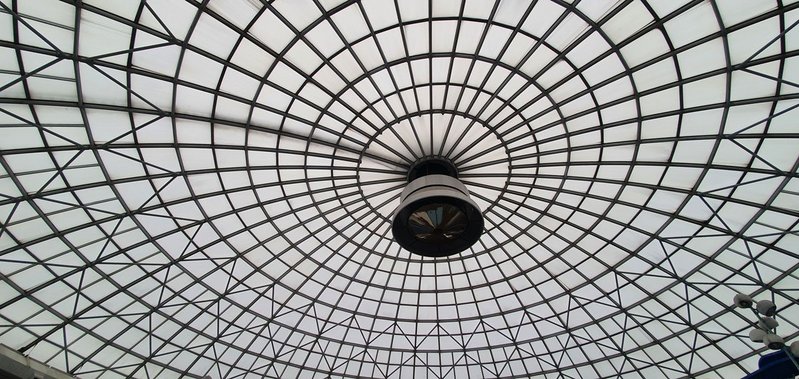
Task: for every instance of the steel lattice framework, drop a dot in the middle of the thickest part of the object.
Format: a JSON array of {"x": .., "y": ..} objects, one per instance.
[{"x": 194, "y": 188}]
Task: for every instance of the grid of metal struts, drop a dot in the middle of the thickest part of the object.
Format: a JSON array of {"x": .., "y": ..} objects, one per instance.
[{"x": 204, "y": 187}]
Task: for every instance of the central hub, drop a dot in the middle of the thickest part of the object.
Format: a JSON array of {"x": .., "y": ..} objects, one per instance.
[
  {"x": 436, "y": 216},
  {"x": 431, "y": 166}
]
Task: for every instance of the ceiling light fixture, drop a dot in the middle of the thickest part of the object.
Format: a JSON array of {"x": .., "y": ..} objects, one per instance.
[{"x": 436, "y": 216}]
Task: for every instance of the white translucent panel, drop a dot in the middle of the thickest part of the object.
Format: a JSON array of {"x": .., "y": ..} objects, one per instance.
[
  {"x": 701, "y": 59},
  {"x": 58, "y": 74},
  {"x": 368, "y": 54},
  {"x": 747, "y": 119},
  {"x": 228, "y": 109},
  {"x": 239, "y": 84},
  {"x": 705, "y": 91},
  {"x": 191, "y": 101},
  {"x": 271, "y": 32},
  {"x": 298, "y": 13},
  {"x": 51, "y": 27},
  {"x": 629, "y": 20},
  {"x": 748, "y": 42},
  {"x": 200, "y": 70},
  {"x": 378, "y": 16},
  {"x": 154, "y": 56},
  {"x": 492, "y": 51},
  {"x": 567, "y": 31},
  {"x": 29, "y": 162},
  {"x": 388, "y": 42},
  {"x": 468, "y": 37},
  {"x": 660, "y": 102},
  {"x": 126, "y": 9},
  {"x": 239, "y": 12},
  {"x": 303, "y": 57},
  {"x": 100, "y": 36},
  {"x": 776, "y": 154},
  {"x": 286, "y": 77},
  {"x": 547, "y": 13},
  {"x": 658, "y": 74},
  {"x": 686, "y": 27},
  {"x": 646, "y": 47},
  {"x": 734, "y": 12},
  {"x": 213, "y": 37},
  {"x": 416, "y": 36},
  {"x": 591, "y": 47},
  {"x": 170, "y": 17},
  {"x": 252, "y": 57},
  {"x": 706, "y": 122},
  {"x": 554, "y": 74},
  {"x": 765, "y": 83}
]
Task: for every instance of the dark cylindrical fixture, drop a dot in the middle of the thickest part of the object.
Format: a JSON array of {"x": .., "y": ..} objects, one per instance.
[
  {"x": 757, "y": 334},
  {"x": 743, "y": 301},
  {"x": 773, "y": 341},
  {"x": 436, "y": 216},
  {"x": 766, "y": 308}
]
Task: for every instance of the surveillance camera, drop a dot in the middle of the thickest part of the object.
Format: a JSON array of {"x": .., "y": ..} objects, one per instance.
[
  {"x": 767, "y": 323},
  {"x": 773, "y": 341},
  {"x": 795, "y": 348},
  {"x": 766, "y": 308},
  {"x": 743, "y": 301},
  {"x": 756, "y": 335}
]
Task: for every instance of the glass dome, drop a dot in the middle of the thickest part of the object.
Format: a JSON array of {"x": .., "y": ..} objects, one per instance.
[{"x": 204, "y": 188}]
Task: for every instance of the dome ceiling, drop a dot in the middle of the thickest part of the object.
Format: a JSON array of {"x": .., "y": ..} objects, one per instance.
[{"x": 206, "y": 188}]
